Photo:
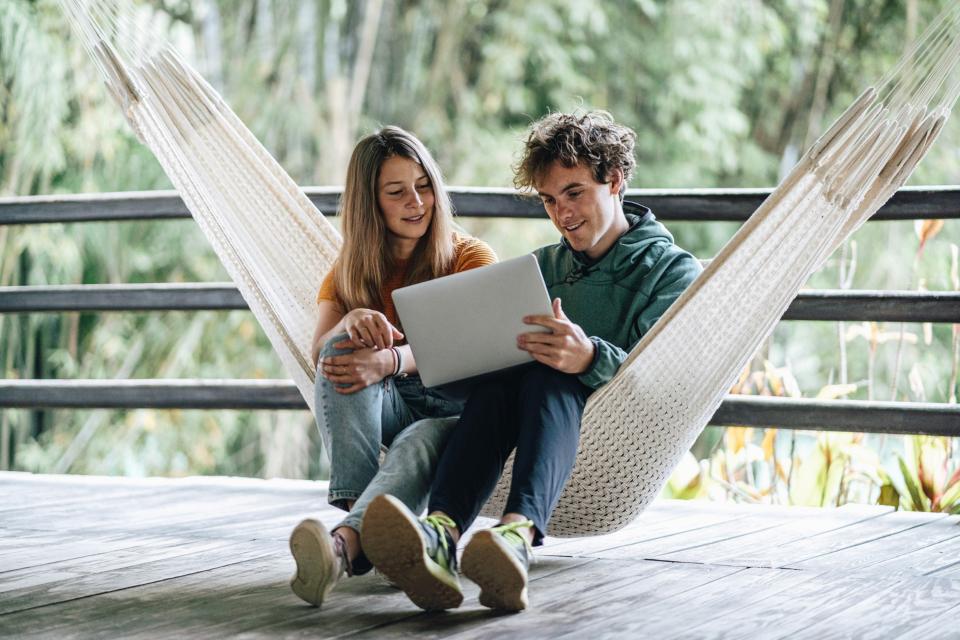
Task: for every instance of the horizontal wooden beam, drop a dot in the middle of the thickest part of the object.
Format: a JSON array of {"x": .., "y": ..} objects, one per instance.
[
  {"x": 785, "y": 413},
  {"x": 702, "y": 205},
  {"x": 889, "y": 306}
]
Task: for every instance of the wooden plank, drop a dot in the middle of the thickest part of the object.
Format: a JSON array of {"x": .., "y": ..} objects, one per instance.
[
  {"x": 760, "y": 549},
  {"x": 942, "y": 626},
  {"x": 84, "y": 586},
  {"x": 138, "y": 551},
  {"x": 815, "y": 551},
  {"x": 221, "y": 568},
  {"x": 909, "y": 203},
  {"x": 887, "y": 612},
  {"x": 637, "y": 533},
  {"x": 879, "y": 306},
  {"x": 28, "y": 491},
  {"x": 791, "y": 611},
  {"x": 53, "y": 549},
  {"x": 824, "y": 305},
  {"x": 881, "y": 553},
  {"x": 565, "y": 604},
  {"x": 250, "y": 597},
  {"x": 187, "y": 296},
  {"x": 156, "y": 394},
  {"x": 759, "y": 521},
  {"x": 931, "y": 559},
  {"x": 673, "y": 614},
  {"x": 784, "y": 413},
  {"x": 840, "y": 415}
]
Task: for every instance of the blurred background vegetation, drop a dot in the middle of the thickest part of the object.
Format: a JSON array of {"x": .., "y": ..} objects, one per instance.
[{"x": 725, "y": 93}]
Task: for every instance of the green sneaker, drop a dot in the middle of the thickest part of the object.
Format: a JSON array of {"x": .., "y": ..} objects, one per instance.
[
  {"x": 497, "y": 559},
  {"x": 416, "y": 554}
]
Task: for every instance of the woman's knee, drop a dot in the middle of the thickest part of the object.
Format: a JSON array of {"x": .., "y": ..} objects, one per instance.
[
  {"x": 423, "y": 441},
  {"x": 329, "y": 348}
]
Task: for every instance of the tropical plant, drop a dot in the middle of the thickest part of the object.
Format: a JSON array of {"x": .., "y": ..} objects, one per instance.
[{"x": 925, "y": 479}]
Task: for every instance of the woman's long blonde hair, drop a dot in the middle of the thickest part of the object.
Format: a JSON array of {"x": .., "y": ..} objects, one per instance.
[{"x": 365, "y": 259}]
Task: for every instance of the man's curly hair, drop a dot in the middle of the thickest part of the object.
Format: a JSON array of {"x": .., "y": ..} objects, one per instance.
[{"x": 592, "y": 139}]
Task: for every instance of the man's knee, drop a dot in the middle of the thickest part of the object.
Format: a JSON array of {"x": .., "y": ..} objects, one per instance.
[{"x": 541, "y": 379}]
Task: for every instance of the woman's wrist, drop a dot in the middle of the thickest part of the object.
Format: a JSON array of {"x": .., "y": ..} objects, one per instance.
[
  {"x": 401, "y": 362},
  {"x": 388, "y": 361}
]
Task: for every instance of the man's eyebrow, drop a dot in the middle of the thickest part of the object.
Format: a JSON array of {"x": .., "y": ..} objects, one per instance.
[{"x": 572, "y": 185}]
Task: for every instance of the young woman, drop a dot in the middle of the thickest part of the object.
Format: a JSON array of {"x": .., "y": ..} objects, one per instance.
[{"x": 398, "y": 230}]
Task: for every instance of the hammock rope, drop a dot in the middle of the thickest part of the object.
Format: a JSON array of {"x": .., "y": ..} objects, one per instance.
[{"x": 277, "y": 247}]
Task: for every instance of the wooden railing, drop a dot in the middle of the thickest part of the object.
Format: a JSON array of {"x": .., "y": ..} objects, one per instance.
[{"x": 708, "y": 205}]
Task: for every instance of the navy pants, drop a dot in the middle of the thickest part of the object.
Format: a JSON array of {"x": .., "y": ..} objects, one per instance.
[{"x": 533, "y": 409}]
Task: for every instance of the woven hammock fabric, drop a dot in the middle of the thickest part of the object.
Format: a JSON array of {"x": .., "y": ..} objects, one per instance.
[{"x": 277, "y": 247}]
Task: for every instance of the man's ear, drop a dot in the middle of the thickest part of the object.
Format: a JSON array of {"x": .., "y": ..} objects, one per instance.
[{"x": 616, "y": 181}]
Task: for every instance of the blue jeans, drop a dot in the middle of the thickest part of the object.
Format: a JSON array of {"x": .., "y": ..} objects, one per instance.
[
  {"x": 534, "y": 410},
  {"x": 401, "y": 414}
]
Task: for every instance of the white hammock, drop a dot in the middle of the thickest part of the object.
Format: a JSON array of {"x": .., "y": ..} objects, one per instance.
[{"x": 277, "y": 247}]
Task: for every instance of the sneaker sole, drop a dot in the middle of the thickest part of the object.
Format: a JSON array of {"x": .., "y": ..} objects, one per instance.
[
  {"x": 391, "y": 539},
  {"x": 313, "y": 552},
  {"x": 502, "y": 577}
]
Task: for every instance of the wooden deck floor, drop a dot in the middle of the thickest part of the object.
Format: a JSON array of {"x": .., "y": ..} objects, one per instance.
[{"x": 83, "y": 557}]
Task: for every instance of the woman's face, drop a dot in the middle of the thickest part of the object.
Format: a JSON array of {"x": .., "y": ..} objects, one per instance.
[{"x": 405, "y": 194}]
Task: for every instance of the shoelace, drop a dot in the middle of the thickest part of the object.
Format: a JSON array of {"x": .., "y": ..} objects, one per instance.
[
  {"x": 441, "y": 524},
  {"x": 510, "y": 531}
]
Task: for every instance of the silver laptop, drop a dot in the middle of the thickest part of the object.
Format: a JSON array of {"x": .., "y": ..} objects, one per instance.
[{"x": 467, "y": 324}]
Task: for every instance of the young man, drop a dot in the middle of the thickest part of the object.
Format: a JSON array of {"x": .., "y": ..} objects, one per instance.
[{"x": 616, "y": 271}]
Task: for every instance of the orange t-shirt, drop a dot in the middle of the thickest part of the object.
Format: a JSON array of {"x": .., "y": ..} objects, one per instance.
[{"x": 468, "y": 253}]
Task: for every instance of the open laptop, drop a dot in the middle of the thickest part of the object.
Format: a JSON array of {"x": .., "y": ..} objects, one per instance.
[{"x": 466, "y": 324}]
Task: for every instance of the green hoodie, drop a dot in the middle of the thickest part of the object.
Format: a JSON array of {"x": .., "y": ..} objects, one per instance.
[{"x": 617, "y": 298}]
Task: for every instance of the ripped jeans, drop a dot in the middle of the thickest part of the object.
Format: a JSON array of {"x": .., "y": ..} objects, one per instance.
[{"x": 398, "y": 413}]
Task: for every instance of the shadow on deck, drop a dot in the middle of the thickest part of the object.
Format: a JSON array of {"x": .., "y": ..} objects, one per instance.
[{"x": 207, "y": 557}]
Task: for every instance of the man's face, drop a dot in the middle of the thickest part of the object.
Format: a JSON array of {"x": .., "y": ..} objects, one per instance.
[{"x": 586, "y": 212}]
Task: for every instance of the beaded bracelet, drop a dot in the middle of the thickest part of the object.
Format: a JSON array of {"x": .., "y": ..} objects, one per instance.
[{"x": 399, "y": 357}]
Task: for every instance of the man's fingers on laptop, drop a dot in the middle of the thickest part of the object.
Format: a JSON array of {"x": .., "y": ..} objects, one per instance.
[{"x": 536, "y": 337}]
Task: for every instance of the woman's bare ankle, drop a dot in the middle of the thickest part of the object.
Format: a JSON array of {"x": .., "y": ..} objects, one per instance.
[{"x": 351, "y": 541}]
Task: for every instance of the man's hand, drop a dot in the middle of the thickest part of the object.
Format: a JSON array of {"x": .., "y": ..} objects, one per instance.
[
  {"x": 567, "y": 348},
  {"x": 352, "y": 372}
]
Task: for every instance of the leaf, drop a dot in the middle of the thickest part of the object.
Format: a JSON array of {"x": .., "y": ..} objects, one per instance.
[
  {"x": 911, "y": 486},
  {"x": 834, "y": 391},
  {"x": 769, "y": 439},
  {"x": 889, "y": 496},
  {"x": 809, "y": 480},
  {"x": 955, "y": 266},
  {"x": 686, "y": 480},
  {"x": 736, "y": 438},
  {"x": 916, "y": 383},
  {"x": 932, "y": 467},
  {"x": 926, "y": 230}
]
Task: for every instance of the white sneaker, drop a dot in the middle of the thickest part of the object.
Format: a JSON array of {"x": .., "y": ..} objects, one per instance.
[{"x": 321, "y": 561}]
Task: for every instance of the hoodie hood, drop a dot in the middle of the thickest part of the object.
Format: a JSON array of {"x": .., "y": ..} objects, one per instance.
[
  {"x": 617, "y": 298},
  {"x": 643, "y": 232}
]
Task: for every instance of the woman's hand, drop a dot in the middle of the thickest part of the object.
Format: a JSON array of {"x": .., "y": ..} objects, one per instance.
[
  {"x": 354, "y": 371},
  {"x": 370, "y": 328}
]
